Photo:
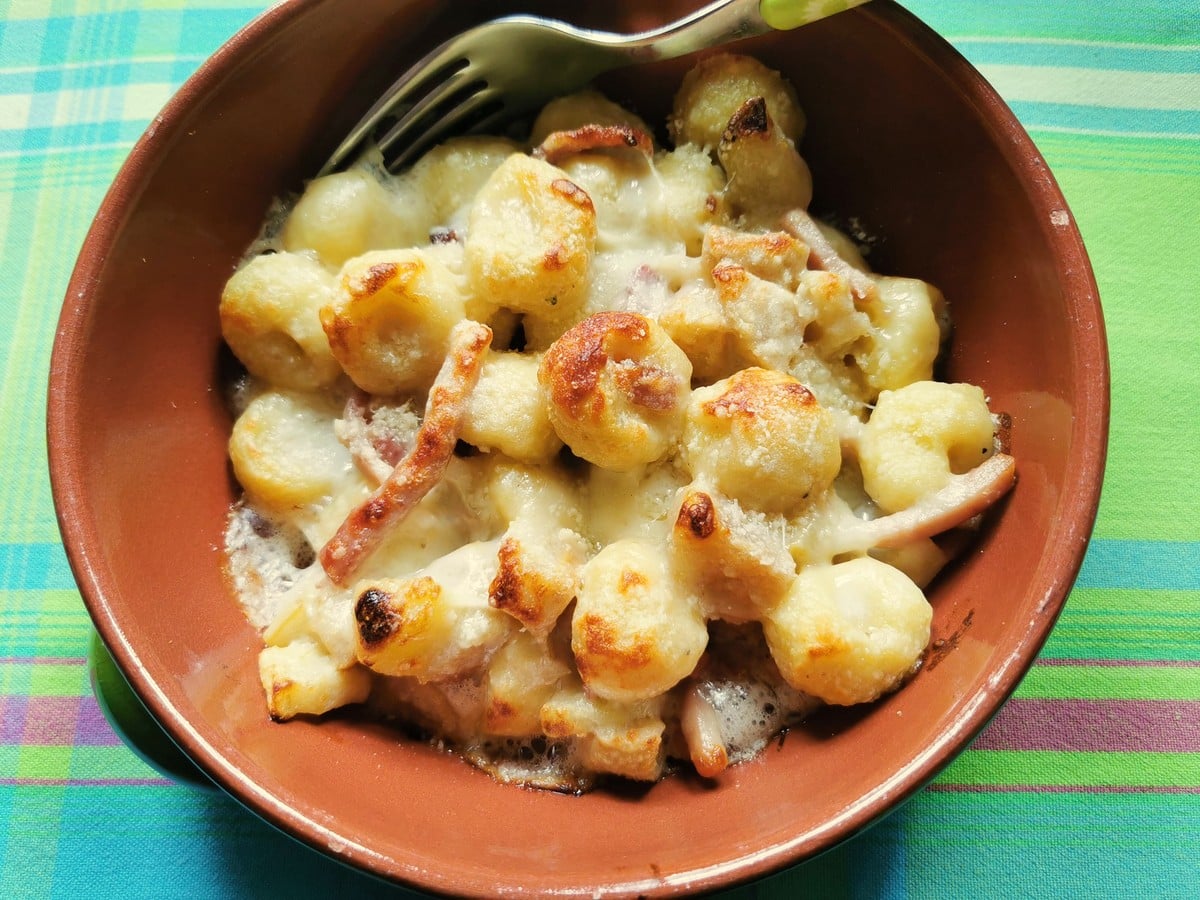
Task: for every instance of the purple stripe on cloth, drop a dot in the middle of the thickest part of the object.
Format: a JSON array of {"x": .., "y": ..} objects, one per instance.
[
  {"x": 12, "y": 719},
  {"x": 951, "y": 787},
  {"x": 93, "y": 729},
  {"x": 86, "y": 782},
  {"x": 1112, "y": 726},
  {"x": 43, "y": 660},
  {"x": 943, "y": 787},
  {"x": 54, "y": 722}
]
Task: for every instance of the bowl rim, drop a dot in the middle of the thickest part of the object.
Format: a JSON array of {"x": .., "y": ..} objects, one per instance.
[{"x": 1089, "y": 438}]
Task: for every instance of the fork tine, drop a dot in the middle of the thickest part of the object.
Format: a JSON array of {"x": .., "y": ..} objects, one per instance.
[
  {"x": 458, "y": 88},
  {"x": 487, "y": 102},
  {"x": 419, "y": 79}
]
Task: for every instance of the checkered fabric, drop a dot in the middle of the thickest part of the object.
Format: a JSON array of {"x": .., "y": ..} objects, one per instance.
[{"x": 1088, "y": 782}]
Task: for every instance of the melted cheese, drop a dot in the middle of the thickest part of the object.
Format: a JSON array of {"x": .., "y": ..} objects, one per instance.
[{"x": 660, "y": 460}]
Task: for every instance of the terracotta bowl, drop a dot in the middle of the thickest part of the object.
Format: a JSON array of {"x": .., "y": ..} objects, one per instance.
[{"x": 904, "y": 137}]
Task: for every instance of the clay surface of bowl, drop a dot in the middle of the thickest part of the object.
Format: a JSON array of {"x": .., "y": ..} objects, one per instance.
[{"x": 904, "y": 138}]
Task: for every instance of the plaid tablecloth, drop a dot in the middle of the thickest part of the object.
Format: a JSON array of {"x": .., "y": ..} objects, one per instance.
[{"x": 1087, "y": 784}]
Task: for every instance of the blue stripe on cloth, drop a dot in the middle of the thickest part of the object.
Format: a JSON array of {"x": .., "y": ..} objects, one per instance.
[
  {"x": 32, "y": 567},
  {"x": 90, "y": 75},
  {"x": 203, "y": 843},
  {"x": 39, "y": 42},
  {"x": 943, "y": 831},
  {"x": 1082, "y": 55},
  {"x": 1153, "y": 565},
  {"x": 1115, "y": 20},
  {"x": 1053, "y": 845},
  {"x": 1181, "y": 123},
  {"x": 104, "y": 133}
]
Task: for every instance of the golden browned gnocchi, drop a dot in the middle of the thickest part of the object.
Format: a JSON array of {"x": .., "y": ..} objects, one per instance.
[
  {"x": 633, "y": 635},
  {"x": 616, "y": 386},
  {"x": 346, "y": 213},
  {"x": 530, "y": 236},
  {"x": 506, "y": 411},
  {"x": 389, "y": 324},
  {"x": 283, "y": 451},
  {"x": 761, "y": 437},
  {"x": 271, "y": 318},
  {"x": 590, "y": 457},
  {"x": 849, "y": 632},
  {"x": 918, "y": 436},
  {"x": 714, "y": 90}
]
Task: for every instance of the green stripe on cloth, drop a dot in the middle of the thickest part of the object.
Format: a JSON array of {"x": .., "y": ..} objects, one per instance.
[
  {"x": 1130, "y": 217},
  {"x": 68, "y": 167},
  {"x": 1111, "y": 682},
  {"x": 1100, "y": 623},
  {"x": 52, "y": 623},
  {"x": 1118, "y": 155},
  {"x": 37, "y": 240},
  {"x": 66, "y": 679},
  {"x": 1080, "y": 770},
  {"x": 33, "y": 764}
]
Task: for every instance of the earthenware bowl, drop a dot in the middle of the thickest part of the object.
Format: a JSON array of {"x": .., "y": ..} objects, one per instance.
[{"x": 906, "y": 141}]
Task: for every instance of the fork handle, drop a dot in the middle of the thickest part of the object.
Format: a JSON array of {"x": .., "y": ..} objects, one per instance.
[
  {"x": 730, "y": 20},
  {"x": 784, "y": 15}
]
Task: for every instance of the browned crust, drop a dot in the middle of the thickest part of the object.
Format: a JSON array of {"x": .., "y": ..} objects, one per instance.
[
  {"x": 697, "y": 515},
  {"x": 555, "y": 258},
  {"x": 772, "y": 255},
  {"x": 377, "y": 619},
  {"x": 560, "y": 144},
  {"x": 505, "y": 590},
  {"x": 573, "y": 193},
  {"x": 599, "y": 650},
  {"x": 556, "y": 724},
  {"x": 385, "y": 615},
  {"x": 630, "y": 580},
  {"x": 731, "y": 277},
  {"x": 750, "y": 393},
  {"x": 375, "y": 279},
  {"x": 498, "y": 713},
  {"x": 417, "y": 473},
  {"x": 524, "y": 594},
  {"x": 648, "y": 386},
  {"x": 359, "y": 287},
  {"x": 824, "y": 644},
  {"x": 748, "y": 121},
  {"x": 570, "y": 371}
]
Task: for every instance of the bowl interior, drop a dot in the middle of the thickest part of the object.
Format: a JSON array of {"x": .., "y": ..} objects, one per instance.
[{"x": 904, "y": 139}]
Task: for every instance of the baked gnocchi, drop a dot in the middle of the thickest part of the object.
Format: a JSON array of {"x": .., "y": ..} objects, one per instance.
[{"x": 589, "y": 456}]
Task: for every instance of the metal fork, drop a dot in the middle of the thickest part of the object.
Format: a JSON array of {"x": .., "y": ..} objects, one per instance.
[{"x": 497, "y": 71}]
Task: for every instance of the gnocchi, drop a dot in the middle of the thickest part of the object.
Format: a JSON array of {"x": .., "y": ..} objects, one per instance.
[{"x": 588, "y": 456}]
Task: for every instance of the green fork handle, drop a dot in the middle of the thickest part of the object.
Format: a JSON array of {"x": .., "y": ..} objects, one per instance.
[{"x": 784, "y": 15}]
